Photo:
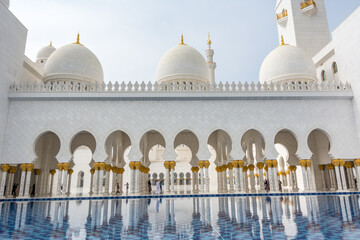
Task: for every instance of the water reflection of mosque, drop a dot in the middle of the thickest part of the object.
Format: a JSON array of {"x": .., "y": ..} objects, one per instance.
[{"x": 231, "y": 217}]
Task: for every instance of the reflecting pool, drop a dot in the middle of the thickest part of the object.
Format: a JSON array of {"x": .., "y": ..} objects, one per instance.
[{"x": 288, "y": 217}]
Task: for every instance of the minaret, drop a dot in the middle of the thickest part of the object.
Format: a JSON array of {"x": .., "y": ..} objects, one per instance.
[
  {"x": 209, "y": 56},
  {"x": 303, "y": 23}
]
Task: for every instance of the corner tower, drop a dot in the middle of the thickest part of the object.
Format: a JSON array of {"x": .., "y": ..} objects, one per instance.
[{"x": 303, "y": 23}]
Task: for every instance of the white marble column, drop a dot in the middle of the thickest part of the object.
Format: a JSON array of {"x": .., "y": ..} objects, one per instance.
[
  {"x": 10, "y": 181},
  {"x": 275, "y": 175},
  {"x": 304, "y": 175},
  {"x": 207, "y": 178},
  {"x": 29, "y": 168},
  {"x": 202, "y": 185},
  {"x": 70, "y": 172},
  {"x": 102, "y": 166},
  {"x": 22, "y": 180},
  {"x": 231, "y": 178},
  {"x": 336, "y": 163},
  {"x": 241, "y": 176},
  {"x": 107, "y": 179},
  {"x": 120, "y": 176},
  {"x": 137, "y": 181},
  {"x": 332, "y": 178},
  {"x": 309, "y": 175},
  {"x": 4, "y": 168},
  {"x": 114, "y": 180},
  {"x": 66, "y": 167},
  {"x": 167, "y": 182},
  {"x": 252, "y": 177},
  {"x": 322, "y": 168},
  {"x": 296, "y": 186},
  {"x": 172, "y": 186},
  {"x": 92, "y": 172},
  {"x": 52, "y": 173},
  {"x": 260, "y": 166},
  {"x": 342, "y": 174},
  {"x": 59, "y": 180},
  {"x": 132, "y": 177},
  {"x": 357, "y": 167},
  {"x": 236, "y": 174}
]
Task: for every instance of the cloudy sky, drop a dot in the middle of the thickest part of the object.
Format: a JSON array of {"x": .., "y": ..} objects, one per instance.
[{"x": 130, "y": 36}]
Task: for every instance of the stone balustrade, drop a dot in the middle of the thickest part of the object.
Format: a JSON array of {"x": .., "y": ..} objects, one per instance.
[{"x": 73, "y": 86}]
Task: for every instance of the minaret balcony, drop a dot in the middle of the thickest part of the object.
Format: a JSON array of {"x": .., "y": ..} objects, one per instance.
[
  {"x": 308, "y": 7},
  {"x": 282, "y": 17}
]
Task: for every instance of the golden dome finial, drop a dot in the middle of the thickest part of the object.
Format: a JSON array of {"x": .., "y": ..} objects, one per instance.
[
  {"x": 182, "y": 40},
  {"x": 209, "y": 41},
  {"x": 282, "y": 40},
  {"x": 77, "y": 39}
]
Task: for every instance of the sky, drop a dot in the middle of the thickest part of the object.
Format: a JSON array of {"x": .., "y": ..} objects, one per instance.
[{"x": 130, "y": 36}]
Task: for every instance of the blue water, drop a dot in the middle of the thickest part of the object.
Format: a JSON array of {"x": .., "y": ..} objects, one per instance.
[{"x": 290, "y": 217}]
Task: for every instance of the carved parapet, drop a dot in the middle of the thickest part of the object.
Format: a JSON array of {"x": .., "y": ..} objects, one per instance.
[{"x": 76, "y": 87}]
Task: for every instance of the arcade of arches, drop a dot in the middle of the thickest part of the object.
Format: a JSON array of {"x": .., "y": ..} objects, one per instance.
[{"x": 117, "y": 174}]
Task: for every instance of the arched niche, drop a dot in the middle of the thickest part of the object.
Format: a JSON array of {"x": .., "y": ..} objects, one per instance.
[
  {"x": 286, "y": 145},
  {"x": 253, "y": 144},
  {"x": 117, "y": 147},
  {"x": 221, "y": 142}
]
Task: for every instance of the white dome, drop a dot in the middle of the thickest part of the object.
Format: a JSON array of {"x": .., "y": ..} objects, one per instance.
[
  {"x": 182, "y": 63},
  {"x": 44, "y": 53},
  {"x": 73, "y": 62},
  {"x": 287, "y": 63}
]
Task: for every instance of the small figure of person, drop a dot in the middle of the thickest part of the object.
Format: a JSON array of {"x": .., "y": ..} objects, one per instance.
[
  {"x": 117, "y": 189},
  {"x": 149, "y": 186},
  {"x": 13, "y": 192},
  {"x": 158, "y": 186},
  {"x": 33, "y": 191},
  {"x": 127, "y": 188},
  {"x": 280, "y": 185},
  {"x": 161, "y": 183},
  {"x": 61, "y": 189}
]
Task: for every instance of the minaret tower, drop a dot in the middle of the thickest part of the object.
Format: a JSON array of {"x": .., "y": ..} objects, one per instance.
[
  {"x": 210, "y": 62},
  {"x": 303, "y": 23}
]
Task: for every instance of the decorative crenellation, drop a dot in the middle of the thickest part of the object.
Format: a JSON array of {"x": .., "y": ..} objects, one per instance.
[
  {"x": 281, "y": 15},
  {"x": 76, "y": 87},
  {"x": 307, "y": 3}
]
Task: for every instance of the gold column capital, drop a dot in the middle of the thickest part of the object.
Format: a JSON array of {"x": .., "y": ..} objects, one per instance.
[
  {"x": 60, "y": 166},
  {"x": 322, "y": 167},
  {"x": 52, "y": 172},
  {"x": 114, "y": 169},
  {"x": 245, "y": 168},
  {"x": 251, "y": 167},
  {"x": 287, "y": 172},
  {"x": 137, "y": 165},
  {"x": 341, "y": 162},
  {"x": 201, "y": 164},
  {"x": 37, "y": 171},
  {"x": 266, "y": 168},
  {"x": 121, "y": 170},
  {"x": 172, "y": 164},
  {"x": 70, "y": 171},
  {"x": 23, "y": 167},
  {"x": 269, "y": 163},
  {"x": 167, "y": 164},
  {"x": 5, "y": 167},
  {"x": 92, "y": 171},
  {"x": 102, "y": 165},
  {"x": 308, "y": 162},
  {"x": 235, "y": 164},
  {"x": 206, "y": 164},
  {"x": 108, "y": 167},
  {"x": 336, "y": 162},
  {"x": 330, "y": 166},
  {"x": 260, "y": 165},
  {"x": 66, "y": 166},
  {"x": 302, "y": 162},
  {"x": 357, "y": 162},
  {"x": 132, "y": 165},
  {"x": 229, "y": 166},
  {"x": 29, "y": 167}
]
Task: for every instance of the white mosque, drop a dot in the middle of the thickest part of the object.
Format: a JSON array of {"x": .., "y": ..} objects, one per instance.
[{"x": 64, "y": 131}]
